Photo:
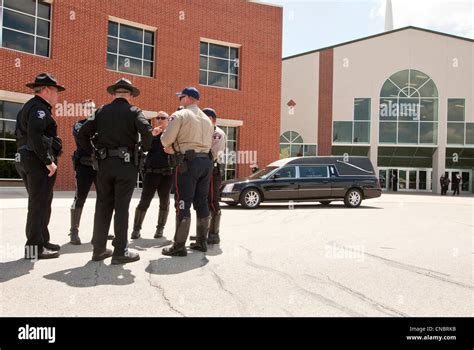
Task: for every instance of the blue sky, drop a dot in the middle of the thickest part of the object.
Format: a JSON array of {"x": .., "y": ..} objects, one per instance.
[{"x": 313, "y": 24}]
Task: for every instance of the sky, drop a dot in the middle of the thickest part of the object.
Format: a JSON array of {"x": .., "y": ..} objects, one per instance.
[{"x": 314, "y": 24}]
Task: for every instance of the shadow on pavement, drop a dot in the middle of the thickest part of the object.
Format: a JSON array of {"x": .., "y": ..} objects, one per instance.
[
  {"x": 68, "y": 248},
  {"x": 143, "y": 243},
  {"x": 299, "y": 206},
  {"x": 14, "y": 269},
  {"x": 94, "y": 274},
  {"x": 176, "y": 265},
  {"x": 214, "y": 250}
]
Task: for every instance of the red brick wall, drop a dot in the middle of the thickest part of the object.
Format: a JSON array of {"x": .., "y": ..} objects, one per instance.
[
  {"x": 325, "y": 102},
  {"x": 78, "y": 60}
]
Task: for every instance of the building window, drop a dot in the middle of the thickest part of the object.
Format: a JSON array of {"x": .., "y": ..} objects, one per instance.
[
  {"x": 408, "y": 109},
  {"x": 219, "y": 65},
  {"x": 25, "y": 25},
  {"x": 456, "y": 121},
  {"x": 292, "y": 145},
  {"x": 130, "y": 50},
  {"x": 357, "y": 131},
  {"x": 230, "y": 166},
  {"x": 469, "y": 133},
  {"x": 8, "y": 113}
]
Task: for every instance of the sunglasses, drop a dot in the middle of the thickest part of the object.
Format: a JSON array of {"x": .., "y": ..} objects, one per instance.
[{"x": 162, "y": 118}]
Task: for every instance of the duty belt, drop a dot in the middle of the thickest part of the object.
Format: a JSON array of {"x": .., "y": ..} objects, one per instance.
[
  {"x": 165, "y": 171},
  {"x": 202, "y": 155},
  {"x": 117, "y": 152}
]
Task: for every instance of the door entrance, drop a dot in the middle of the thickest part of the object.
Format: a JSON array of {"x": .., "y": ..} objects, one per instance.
[
  {"x": 405, "y": 179},
  {"x": 466, "y": 178}
]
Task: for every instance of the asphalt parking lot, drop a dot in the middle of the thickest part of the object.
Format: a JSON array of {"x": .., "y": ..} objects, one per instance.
[{"x": 397, "y": 255}]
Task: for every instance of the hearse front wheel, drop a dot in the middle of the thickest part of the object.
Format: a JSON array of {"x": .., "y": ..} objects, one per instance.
[{"x": 250, "y": 198}]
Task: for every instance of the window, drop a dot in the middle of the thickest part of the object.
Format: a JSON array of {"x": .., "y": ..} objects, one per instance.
[
  {"x": 130, "y": 49},
  {"x": 470, "y": 133},
  {"x": 357, "y": 131},
  {"x": 456, "y": 121},
  {"x": 342, "y": 132},
  {"x": 408, "y": 109},
  {"x": 230, "y": 167},
  {"x": 292, "y": 145},
  {"x": 313, "y": 171},
  {"x": 25, "y": 26},
  {"x": 8, "y": 113},
  {"x": 286, "y": 173},
  {"x": 219, "y": 65}
]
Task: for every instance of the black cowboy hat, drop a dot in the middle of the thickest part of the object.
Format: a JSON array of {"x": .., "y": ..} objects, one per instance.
[
  {"x": 123, "y": 84},
  {"x": 45, "y": 79}
]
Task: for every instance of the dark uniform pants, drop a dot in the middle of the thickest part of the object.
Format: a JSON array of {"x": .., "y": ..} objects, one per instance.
[
  {"x": 85, "y": 177},
  {"x": 192, "y": 186},
  {"x": 214, "y": 194},
  {"x": 116, "y": 181},
  {"x": 40, "y": 195},
  {"x": 156, "y": 183}
]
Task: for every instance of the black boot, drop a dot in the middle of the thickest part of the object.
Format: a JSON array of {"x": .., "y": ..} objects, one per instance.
[
  {"x": 181, "y": 235},
  {"x": 202, "y": 228},
  {"x": 214, "y": 229},
  {"x": 162, "y": 217},
  {"x": 75, "y": 220},
  {"x": 137, "y": 223}
]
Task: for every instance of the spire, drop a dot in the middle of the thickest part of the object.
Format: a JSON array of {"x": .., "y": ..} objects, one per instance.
[{"x": 388, "y": 16}]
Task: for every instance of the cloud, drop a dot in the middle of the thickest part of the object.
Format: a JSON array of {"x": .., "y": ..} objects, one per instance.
[{"x": 453, "y": 16}]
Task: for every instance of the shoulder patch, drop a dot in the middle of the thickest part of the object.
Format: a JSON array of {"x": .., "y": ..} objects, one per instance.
[
  {"x": 135, "y": 109},
  {"x": 41, "y": 114},
  {"x": 171, "y": 118}
]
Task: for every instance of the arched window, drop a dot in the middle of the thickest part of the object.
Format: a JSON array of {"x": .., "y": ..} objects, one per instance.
[
  {"x": 409, "y": 109},
  {"x": 292, "y": 145}
]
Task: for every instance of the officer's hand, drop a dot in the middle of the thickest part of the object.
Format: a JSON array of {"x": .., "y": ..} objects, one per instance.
[
  {"x": 169, "y": 150},
  {"x": 156, "y": 131},
  {"x": 52, "y": 169}
]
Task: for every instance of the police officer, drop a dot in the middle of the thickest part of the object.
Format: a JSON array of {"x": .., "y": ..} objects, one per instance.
[
  {"x": 38, "y": 150},
  {"x": 189, "y": 137},
  {"x": 85, "y": 175},
  {"x": 115, "y": 128},
  {"x": 158, "y": 178},
  {"x": 219, "y": 142}
]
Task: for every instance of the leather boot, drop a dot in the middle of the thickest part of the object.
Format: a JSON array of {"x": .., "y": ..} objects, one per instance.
[
  {"x": 137, "y": 223},
  {"x": 75, "y": 220},
  {"x": 214, "y": 237},
  {"x": 202, "y": 228},
  {"x": 181, "y": 235},
  {"x": 162, "y": 218}
]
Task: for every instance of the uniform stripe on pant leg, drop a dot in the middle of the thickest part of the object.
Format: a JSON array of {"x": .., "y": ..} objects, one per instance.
[
  {"x": 212, "y": 193},
  {"x": 176, "y": 187}
]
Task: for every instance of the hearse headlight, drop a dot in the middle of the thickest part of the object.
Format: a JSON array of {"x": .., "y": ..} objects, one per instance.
[{"x": 228, "y": 188}]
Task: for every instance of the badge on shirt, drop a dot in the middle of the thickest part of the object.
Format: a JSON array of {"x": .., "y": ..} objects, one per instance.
[{"x": 41, "y": 114}]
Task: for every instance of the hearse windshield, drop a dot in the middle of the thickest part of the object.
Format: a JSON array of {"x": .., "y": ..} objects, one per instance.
[{"x": 262, "y": 174}]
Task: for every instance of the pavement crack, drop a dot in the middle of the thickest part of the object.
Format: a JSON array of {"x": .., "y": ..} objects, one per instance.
[
  {"x": 220, "y": 282},
  {"x": 378, "y": 306},
  {"x": 302, "y": 290},
  {"x": 412, "y": 268},
  {"x": 163, "y": 294}
]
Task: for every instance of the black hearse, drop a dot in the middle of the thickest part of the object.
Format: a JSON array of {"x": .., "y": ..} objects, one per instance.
[{"x": 322, "y": 179}]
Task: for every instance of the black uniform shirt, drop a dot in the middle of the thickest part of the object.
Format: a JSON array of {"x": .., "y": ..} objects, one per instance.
[
  {"x": 81, "y": 152},
  {"x": 116, "y": 125},
  {"x": 156, "y": 157},
  {"x": 33, "y": 122}
]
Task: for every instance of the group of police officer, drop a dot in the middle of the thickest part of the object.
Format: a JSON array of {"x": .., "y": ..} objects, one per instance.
[{"x": 184, "y": 150}]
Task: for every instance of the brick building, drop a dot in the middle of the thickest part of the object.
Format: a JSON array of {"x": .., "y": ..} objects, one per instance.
[{"x": 229, "y": 49}]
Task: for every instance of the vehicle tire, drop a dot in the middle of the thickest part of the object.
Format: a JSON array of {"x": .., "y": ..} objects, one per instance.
[
  {"x": 325, "y": 203},
  {"x": 250, "y": 198},
  {"x": 353, "y": 198},
  {"x": 232, "y": 204}
]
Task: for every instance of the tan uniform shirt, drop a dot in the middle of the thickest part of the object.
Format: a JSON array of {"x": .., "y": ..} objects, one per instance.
[
  {"x": 189, "y": 129},
  {"x": 219, "y": 142}
]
